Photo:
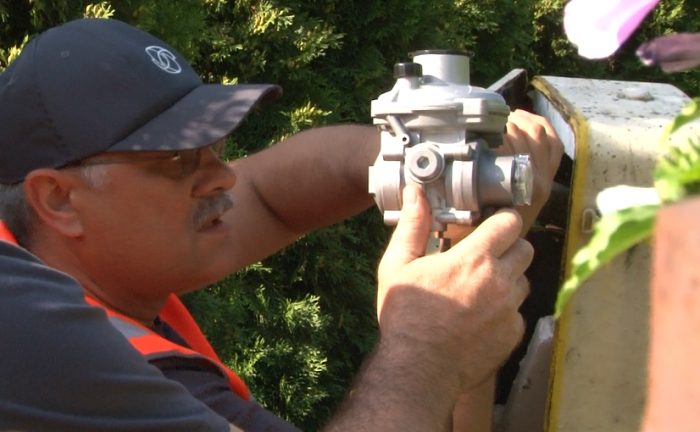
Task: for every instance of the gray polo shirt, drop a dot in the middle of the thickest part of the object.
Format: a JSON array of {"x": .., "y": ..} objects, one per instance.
[{"x": 63, "y": 367}]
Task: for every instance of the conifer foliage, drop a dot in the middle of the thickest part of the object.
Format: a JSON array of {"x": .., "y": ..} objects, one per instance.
[{"x": 297, "y": 325}]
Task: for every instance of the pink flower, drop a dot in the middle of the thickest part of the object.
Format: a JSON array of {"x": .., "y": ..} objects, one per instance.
[{"x": 599, "y": 27}]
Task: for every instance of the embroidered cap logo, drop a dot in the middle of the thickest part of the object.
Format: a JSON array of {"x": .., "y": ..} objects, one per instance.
[{"x": 164, "y": 59}]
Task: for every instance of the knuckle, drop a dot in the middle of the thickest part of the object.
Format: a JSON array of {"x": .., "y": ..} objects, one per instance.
[
  {"x": 539, "y": 131},
  {"x": 500, "y": 289},
  {"x": 518, "y": 328},
  {"x": 556, "y": 145},
  {"x": 525, "y": 286},
  {"x": 479, "y": 267},
  {"x": 506, "y": 216},
  {"x": 511, "y": 331},
  {"x": 526, "y": 248},
  {"x": 515, "y": 221}
]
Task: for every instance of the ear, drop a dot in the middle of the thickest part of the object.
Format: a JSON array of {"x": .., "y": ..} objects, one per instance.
[{"x": 50, "y": 193}]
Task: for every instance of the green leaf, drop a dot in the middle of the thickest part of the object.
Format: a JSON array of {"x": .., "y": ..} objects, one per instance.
[
  {"x": 99, "y": 10},
  {"x": 689, "y": 113},
  {"x": 677, "y": 173},
  {"x": 613, "y": 234}
]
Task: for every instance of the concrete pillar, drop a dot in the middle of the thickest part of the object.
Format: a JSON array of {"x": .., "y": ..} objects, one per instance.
[{"x": 611, "y": 130}]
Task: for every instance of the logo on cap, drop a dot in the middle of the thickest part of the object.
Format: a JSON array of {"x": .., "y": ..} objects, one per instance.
[{"x": 164, "y": 59}]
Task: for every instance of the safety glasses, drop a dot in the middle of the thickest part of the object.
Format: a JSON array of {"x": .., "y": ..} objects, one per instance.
[{"x": 171, "y": 164}]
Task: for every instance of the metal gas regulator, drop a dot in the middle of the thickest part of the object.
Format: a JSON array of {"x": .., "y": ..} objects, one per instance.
[{"x": 439, "y": 132}]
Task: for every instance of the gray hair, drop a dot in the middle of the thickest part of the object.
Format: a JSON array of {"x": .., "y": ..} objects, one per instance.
[{"x": 18, "y": 215}]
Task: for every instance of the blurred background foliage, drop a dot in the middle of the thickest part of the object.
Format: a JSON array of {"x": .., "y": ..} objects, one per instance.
[{"x": 297, "y": 325}]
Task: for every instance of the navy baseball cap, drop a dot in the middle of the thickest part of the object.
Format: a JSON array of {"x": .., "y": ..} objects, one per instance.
[{"x": 100, "y": 85}]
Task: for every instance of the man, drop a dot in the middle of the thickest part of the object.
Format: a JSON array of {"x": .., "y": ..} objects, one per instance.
[{"x": 113, "y": 189}]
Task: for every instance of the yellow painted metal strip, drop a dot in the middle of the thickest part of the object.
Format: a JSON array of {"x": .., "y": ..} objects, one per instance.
[{"x": 579, "y": 125}]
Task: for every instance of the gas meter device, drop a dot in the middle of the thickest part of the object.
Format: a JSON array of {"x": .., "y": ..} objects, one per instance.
[{"x": 439, "y": 132}]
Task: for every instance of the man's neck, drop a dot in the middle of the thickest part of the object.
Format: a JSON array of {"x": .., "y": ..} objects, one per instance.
[
  {"x": 144, "y": 316},
  {"x": 122, "y": 301}
]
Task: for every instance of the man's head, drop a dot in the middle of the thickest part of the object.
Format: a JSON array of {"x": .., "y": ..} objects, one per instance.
[
  {"x": 109, "y": 140},
  {"x": 92, "y": 86}
]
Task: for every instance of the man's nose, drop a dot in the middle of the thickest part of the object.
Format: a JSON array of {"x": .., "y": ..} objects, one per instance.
[{"x": 215, "y": 174}]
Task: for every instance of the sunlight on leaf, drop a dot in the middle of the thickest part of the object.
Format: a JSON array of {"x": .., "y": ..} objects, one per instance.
[
  {"x": 613, "y": 234},
  {"x": 99, "y": 10},
  {"x": 677, "y": 174},
  {"x": 689, "y": 113},
  {"x": 621, "y": 197}
]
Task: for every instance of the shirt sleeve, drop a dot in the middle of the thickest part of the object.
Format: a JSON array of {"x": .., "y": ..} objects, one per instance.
[
  {"x": 213, "y": 389},
  {"x": 65, "y": 368}
]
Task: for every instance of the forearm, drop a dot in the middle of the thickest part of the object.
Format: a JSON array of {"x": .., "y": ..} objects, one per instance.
[
  {"x": 474, "y": 409},
  {"x": 398, "y": 391},
  {"x": 315, "y": 178}
]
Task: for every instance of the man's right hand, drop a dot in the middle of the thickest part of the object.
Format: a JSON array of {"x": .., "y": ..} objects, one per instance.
[
  {"x": 447, "y": 322},
  {"x": 455, "y": 312}
]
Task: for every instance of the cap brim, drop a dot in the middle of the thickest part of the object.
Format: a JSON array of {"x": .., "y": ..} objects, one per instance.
[{"x": 207, "y": 114}]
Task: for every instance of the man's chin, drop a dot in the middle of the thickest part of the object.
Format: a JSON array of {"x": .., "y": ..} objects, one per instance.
[{"x": 200, "y": 284}]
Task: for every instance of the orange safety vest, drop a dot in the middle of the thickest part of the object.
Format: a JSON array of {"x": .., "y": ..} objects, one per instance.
[
  {"x": 154, "y": 346},
  {"x": 6, "y": 235}
]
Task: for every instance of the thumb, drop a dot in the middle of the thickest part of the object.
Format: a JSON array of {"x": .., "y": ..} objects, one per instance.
[{"x": 411, "y": 235}]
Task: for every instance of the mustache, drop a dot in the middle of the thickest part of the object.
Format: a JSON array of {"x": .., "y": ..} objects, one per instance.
[{"x": 212, "y": 207}]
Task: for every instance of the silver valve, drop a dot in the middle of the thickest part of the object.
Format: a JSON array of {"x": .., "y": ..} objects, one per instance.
[{"x": 439, "y": 132}]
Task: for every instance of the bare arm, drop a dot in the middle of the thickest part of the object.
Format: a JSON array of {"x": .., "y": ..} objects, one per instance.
[
  {"x": 446, "y": 322},
  {"x": 399, "y": 389},
  {"x": 474, "y": 409},
  {"x": 438, "y": 341},
  {"x": 310, "y": 180}
]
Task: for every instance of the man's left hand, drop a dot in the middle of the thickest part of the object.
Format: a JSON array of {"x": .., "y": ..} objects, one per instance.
[{"x": 532, "y": 134}]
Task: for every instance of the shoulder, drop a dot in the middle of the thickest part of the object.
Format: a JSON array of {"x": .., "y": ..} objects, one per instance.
[
  {"x": 19, "y": 266},
  {"x": 69, "y": 369}
]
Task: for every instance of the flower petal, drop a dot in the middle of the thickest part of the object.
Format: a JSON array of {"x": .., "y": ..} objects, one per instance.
[
  {"x": 673, "y": 53},
  {"x": 599, "y": 27}
]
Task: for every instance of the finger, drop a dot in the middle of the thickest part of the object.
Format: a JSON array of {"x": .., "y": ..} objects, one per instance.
[
  {"x": 517, "y": 258},
  {"x": 536, "y": 126},
  {"x": 519, "y": 329},
  {"x": 411, "y": 235},
  {"x": 517, "y": 139},
  {"x": 495, "y": 235},
  {"x": 530, "y": 128},
  {"x": 554, "y": 144},
  {"x": 521, "y": 290},
  {"x": 534, "y": 118},
  {"x": 532, "y": 139}
]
